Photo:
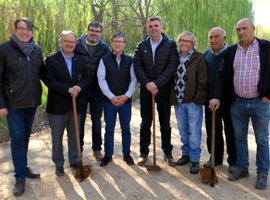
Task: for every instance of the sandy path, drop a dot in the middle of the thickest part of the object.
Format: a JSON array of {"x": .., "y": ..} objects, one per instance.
[{"x": 120, "y": 181}]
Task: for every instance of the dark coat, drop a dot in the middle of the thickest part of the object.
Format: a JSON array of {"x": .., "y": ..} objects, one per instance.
[
  {"x": 92, "y": 62},
  {"x": 196, "y": 86},
  {"x": 20, "y": 85},
  {"x": 58, "y": 80},
  {"x": 225, "y": 73},
  {"x": 166, "y": 60}
]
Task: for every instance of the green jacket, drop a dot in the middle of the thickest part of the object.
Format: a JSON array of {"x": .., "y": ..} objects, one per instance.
[{"x": 196, "y": 86}]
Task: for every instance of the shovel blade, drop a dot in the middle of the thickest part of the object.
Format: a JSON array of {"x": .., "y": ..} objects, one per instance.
[
  {"x": 152, "y": 167},
  {"x": 206, "y": 176},
  {"x": 87, "y": 171}
]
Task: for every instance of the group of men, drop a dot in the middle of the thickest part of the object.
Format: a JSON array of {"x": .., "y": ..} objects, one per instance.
[{"x": 89, "y": 71}]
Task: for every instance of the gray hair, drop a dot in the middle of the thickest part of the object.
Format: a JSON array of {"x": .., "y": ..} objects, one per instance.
[
  {"x": 95, "y": 24},
  {"x": 250, "y": 20},
  {"x": 153, "y": 18},
  {"x": 119, "y": 34},
  {"x": 194, "y": 40},
  {"x": 65, "y": 33},
  {"x": 223, "y": 31}
]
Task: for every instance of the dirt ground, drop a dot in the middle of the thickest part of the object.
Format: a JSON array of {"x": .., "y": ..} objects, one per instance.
[{"x": 120, "y": 181}]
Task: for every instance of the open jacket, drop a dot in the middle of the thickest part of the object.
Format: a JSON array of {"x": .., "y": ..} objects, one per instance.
[{"x": 196, "y": 85}]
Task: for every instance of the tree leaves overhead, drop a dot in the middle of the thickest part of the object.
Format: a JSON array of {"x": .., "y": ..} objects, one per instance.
[{"x": 51, "y": 17}]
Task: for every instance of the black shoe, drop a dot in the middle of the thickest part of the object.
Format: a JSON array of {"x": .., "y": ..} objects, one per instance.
[
  {"x": 261, "y": 183},
  {"x": 59, "y": 171},
  {"x": 238, "y": 173},
  {"x": 128, "y": 159},
  {"x": 75, "y": 165},
  {"x": 30, "y": 174},
  {"x": 19, "y": 188},
  {"x": 208, "y": 164},
  {"x": 183, "y": 160},
  {"x": 105, "y": 160},
  {"x": 195, "y": 168}
]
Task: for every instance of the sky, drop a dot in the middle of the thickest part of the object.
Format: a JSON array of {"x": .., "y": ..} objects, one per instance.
[{"x": 262, "y": 13}]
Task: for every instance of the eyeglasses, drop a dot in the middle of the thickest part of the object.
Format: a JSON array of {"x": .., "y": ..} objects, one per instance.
[
  {"x": 186, "y": 41},
  {"x": 70, "y": 42},
  {"x": 21, "y": 29},
  {"x": 119, "y": 42},
  {"x": 94, "y": 31}
]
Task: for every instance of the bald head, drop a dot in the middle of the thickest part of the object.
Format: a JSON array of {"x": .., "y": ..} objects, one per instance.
[
  {"x": 217, "y": 37},
  {"x": 245, "y": 31}
]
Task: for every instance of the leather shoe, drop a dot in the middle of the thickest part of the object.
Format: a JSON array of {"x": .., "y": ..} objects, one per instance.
[
  {"x": 75, "y": 165},
  {"x": 128, "y": 159},
  {"x": 19, "y": 188},
  {"x": 183, "y": 160},
  {"x": 170, "y": 160},
  {"x": 105, "y": 160},
  {"x": 195, "y": 168},
  {"x": 30, "y": 174},
  {"x": 59, "y": 171},
  {"x": 98, "y": 155},
  {"x": 208, "y": 164},
  {"x": 142, "y": 159}
]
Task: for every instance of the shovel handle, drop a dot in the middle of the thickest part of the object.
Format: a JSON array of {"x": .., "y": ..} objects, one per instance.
[
  {"x": 76, "y": 128},
  {"x": 213, "y": 138},
  {"x": 154, "y": 128}
]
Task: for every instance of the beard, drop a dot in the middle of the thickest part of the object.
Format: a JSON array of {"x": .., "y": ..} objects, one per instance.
[{"x": 92, "y": 40}]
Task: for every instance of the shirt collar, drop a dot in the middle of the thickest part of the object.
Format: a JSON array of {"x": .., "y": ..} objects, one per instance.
[
  {"x": 188, "y": 54},
  {"x": 65, "y": 55},
  {"x": 255, "y": 41},
  {"x": 221, "y": 51},
  {"x": 152, "y": 42}
]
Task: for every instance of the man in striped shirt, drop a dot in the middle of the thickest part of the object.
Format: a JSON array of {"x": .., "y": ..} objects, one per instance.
[{"x": 244, "y": 76}]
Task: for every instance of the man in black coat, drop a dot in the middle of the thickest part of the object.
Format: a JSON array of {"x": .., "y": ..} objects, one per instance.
[
  {"x": 65, "y": 75},
  {"x": 155, "y": 62},
  {"x": 92, "y": 48}
]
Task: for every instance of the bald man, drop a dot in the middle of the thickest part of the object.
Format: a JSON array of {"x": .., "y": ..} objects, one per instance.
[
  {"x": 213, "y": 58},
  {"x": 244, "y": 75}
]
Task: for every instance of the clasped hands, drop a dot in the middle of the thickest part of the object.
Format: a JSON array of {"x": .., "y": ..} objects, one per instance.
[
  {"x": 119, "y": 100},
  {"x": 74, "y": 91},
  {"x": 151, "y": 87}
]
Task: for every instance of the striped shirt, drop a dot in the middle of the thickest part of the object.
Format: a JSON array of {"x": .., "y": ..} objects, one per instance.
[{"x": 246, "y": 68}]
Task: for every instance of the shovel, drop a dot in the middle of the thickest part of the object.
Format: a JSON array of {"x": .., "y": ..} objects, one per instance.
[
  {"x": 83, "y": 172},
  {"x": 209, "y": 174},
  {"x": 155, "y": 166}
]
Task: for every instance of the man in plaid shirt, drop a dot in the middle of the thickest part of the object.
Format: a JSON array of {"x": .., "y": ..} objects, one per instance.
[{"x": 244, "y": 76}]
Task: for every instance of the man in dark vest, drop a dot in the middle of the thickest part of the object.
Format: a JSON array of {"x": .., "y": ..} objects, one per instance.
[
  {"x": 213, "y": 58},
  {"x": 92, "y": 48},
  {"x": 117, "y": 80}
]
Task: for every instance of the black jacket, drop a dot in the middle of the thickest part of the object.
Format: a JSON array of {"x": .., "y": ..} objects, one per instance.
[
  {"x": 20, "y": 85},
  {"x": 225, "y": 73},
  {"x": 58, "y": 80},
  {"x": 92, "y": 62},
  {"x": 166, "y": 62}
]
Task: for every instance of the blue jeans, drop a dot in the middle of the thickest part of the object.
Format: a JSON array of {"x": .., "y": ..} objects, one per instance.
[
  {"x": 110, "y": 114},
  {"x": 189, "y": 120},
  {"x": 94, "y": 98},
  {"x": 164, "y": 113},
  {"x": 20, "y": 123},
  {"x": 241, "y": 110}
]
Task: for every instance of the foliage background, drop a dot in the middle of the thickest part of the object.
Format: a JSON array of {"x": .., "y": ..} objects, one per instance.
[{"x": 51, "y": 17}]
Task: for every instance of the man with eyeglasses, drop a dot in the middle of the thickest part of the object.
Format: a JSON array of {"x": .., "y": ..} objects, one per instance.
[
  {"x": 92, "y": 48},
  {"x": 155, "y": 62},
  {"x": 118, "y": 82},
  {"x": 20, "y": 94},
  {"x": 66, "y": 76}
]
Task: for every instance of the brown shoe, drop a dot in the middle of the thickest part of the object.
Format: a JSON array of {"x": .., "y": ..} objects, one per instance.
[
  {"x": 142, "y": 159},
  {"x": 170, "y": 160},
  {"x": 98, "y": 155}
]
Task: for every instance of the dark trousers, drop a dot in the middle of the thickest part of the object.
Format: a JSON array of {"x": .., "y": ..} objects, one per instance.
[
  {"x": 93, "y": 97},
  {"x": 223, "y": 113},
  {"x": 164, "y": 112}
]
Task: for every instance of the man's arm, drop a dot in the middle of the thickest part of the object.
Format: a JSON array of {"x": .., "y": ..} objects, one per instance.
[{"x": 2, "y": 99}]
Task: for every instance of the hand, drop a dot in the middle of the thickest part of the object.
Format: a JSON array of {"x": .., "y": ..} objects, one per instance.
[
  {"x": 3, "y": 112},
  {"x": 115, "y": 101},
  {"x": 194, "y": 103},
  {"x": 131, "y": 55},
  {"x": 76, "y": 89},
  {"x": 151, "y": 86},
  {"x": 214, "y": 104},
  {"x": 154, "y": 91},
  {"x": 122, "y": 99},
  {"x": 264, "y": 99}
]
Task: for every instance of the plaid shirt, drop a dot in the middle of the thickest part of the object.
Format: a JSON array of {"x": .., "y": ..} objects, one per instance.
[{"x": 246, "y": 68}]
